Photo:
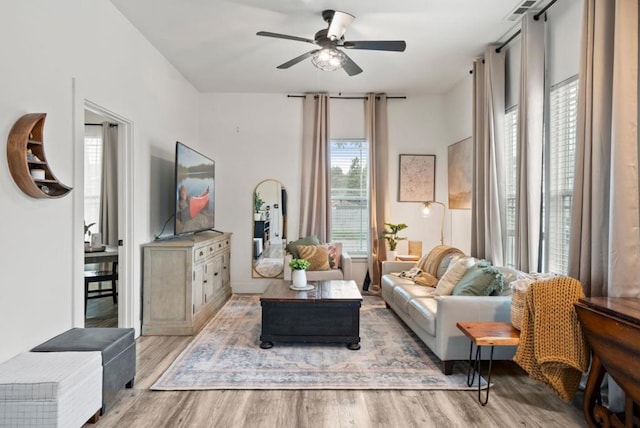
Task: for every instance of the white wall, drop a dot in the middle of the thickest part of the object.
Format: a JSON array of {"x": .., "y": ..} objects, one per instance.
[
  {"x": 459, "y": 126},
  {"x": 45, "y": 45}
]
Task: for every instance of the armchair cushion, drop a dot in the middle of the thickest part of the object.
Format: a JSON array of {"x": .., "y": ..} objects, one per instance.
[
  {"x": 316, "y": 255},
  {"x": 292, "y": 247},
  {"x": 335, "y": 252}
]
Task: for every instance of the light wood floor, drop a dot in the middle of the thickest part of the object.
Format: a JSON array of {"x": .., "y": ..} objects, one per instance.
[{"x": 515, "y": 401}]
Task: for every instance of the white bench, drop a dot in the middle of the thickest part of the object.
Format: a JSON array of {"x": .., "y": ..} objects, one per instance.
[{"x": 51, "y": 389}]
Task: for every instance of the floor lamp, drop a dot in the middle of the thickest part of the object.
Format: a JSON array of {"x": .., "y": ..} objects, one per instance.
[{"x": 426, "y": 211}]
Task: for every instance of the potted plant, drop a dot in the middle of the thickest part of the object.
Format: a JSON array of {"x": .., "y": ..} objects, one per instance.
[
  {"x": 392, "y": 238},
  {"x": 299, "y": 276},
  {"x": 87, "y": 232},
  {"x": 257, "y": 205}
]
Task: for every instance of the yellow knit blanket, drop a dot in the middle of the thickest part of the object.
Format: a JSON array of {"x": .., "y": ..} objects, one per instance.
[{"x": 552, "y": 347}]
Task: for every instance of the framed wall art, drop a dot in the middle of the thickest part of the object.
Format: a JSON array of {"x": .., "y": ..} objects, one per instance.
[
  {"x": 460, "y": 170},
  {"x": 417, "y": 178}
]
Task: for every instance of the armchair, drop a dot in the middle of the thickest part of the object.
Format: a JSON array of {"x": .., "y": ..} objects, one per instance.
[{"x": 344, "y": 272}]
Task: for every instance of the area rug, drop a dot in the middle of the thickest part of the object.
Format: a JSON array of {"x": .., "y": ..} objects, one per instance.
[{"x": 226, "y": 355}]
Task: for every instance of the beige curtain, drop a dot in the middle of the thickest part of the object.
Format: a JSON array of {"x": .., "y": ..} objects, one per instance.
[
  {"x": 377, "y": 135},
  {"x": 109, "y": 191},
  {"x": 530, "y": 143},
  {"x": 488, "y": 228},
  {"x": 315, "y": 208},
  {"x": 604, "y": 253}
]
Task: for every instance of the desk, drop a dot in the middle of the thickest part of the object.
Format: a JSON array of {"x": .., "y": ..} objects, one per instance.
[
  {"x": 109, "y": 255},
  {"x": 486, "y": 334},
  {"x": 612, "y": 328}
]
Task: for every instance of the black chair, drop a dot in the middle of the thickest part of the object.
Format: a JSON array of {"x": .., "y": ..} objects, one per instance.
[{"x": 101, "y": 276}]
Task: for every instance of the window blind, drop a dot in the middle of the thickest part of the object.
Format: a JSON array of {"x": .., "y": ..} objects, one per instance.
[
  {"x": 349, "y": 181},
  {"x": 563, "y": 111},
  {"x": 92, "y": 174},
  {"x": 510, "y": 159}
]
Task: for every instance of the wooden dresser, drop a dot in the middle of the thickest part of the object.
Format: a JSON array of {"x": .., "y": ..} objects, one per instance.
[
  {"x": 185, "y": 281},
  {"x": 612, "y": 328}
]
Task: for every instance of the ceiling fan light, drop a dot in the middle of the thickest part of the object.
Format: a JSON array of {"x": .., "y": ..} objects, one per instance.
[{"x": 328, "y": 59}]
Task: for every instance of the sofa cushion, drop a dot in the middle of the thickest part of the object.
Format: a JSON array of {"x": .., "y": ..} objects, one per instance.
[
  {"x": 292, "y": 247},
  {"x": 437, "y": 260},
  {"x": 482, "y": 279},
  {"x": 453, "y": 275},
  {"x": 422, "y": 311},
  {"x": 403, "y": 294},
  {"x": 316, "y": 255}
]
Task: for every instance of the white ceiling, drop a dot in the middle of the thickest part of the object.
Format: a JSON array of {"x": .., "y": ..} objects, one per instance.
[{"x": 214, "y": 44}]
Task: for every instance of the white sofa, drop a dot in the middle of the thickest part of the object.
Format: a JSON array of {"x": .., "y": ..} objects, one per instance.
[{"x": 433, "y": 319}]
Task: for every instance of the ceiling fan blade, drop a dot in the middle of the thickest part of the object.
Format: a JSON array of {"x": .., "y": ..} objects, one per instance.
[
  {"x": 339, "y": 24},
  {"x": 351, "y": 67},
  {"x": 284, "y": 36},
  {"x": 377, "y": 45},
  {"x": 297, "y": 59}
]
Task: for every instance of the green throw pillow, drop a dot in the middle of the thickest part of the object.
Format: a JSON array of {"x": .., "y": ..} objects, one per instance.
[
  {"x": 482, "y": 279},
  {"x": 292, "y": 247}
]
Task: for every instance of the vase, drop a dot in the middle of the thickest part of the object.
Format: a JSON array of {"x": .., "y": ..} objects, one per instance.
[
  {"x": 391, "y": 255},
  {"x": 257, "y": 216},
  {"x": 299, "y": 277}
]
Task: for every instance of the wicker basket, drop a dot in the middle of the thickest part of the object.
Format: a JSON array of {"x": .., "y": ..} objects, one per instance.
[{"x": 518, "y": 303}]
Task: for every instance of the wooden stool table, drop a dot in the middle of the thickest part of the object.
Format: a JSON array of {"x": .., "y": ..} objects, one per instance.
[{"x": 486, "y": 334}]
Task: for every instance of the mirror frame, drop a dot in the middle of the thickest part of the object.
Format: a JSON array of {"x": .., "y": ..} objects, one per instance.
[{"x": 255, "y": 273}]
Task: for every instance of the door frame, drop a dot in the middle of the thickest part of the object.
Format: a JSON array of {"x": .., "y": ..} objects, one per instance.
[{"x": 127, "y": 303}]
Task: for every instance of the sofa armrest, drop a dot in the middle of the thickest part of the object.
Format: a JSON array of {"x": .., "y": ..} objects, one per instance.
[
  {"x": 345, "y": 263},
  {"x": 453, "y": 309},
  {"x": 388, "y": 267}
]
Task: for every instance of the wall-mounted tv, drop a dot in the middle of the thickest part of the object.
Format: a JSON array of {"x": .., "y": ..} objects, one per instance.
[{"x": 194, "y": 191}]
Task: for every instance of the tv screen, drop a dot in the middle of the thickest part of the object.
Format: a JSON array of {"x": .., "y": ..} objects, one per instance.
[{"x": 195, "y": 191}]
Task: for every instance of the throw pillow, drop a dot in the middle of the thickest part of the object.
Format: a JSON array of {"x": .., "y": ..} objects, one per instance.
[
  {"x": 426, "y": 279},
  {"x": 335, "y": 254},
  {"x": 292, "y": 247},
  {"x": 482, "y": 279},
  {"x": 316, "y": 255},
  {"x": 453, "y": 274}
]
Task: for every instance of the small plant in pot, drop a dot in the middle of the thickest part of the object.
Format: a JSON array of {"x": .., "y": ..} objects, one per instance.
[
  {"x": 257, "y": 206},
  {"x": 392, "y": 238},
  {"x": 299, "y": 276}
]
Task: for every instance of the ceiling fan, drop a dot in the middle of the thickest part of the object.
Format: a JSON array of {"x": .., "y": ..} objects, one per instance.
[{"x": 327, "y": 56}]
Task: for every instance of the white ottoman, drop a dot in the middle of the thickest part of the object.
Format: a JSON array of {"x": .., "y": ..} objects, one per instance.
[{"x": 50, "y": 389}]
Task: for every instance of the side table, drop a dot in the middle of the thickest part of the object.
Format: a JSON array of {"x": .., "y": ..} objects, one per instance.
[{"x": 486, "y": 334}]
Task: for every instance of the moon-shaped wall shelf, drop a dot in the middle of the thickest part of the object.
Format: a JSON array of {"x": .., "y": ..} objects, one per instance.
[{"x": 27, "y": 162}]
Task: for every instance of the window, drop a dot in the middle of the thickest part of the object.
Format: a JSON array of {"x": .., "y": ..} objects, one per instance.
[
  {"x": 92, "y": 174},
  {"x": 563, "y": 110},
  {"x": 510, "y": 159},
  {"x": 349, "y": 181}
]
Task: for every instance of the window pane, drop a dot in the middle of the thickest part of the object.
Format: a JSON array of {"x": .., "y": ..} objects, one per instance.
[
  {"x": 562, "y": 148},
  {"x": 350, "y": 195},
  {"x": 510, "y": 159},
  {"x": 92, "y": 175}
]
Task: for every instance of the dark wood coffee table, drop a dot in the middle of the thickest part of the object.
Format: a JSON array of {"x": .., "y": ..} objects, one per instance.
[{"x": 328, "y": 313}]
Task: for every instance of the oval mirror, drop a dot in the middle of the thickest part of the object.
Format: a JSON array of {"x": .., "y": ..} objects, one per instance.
[{"x": 269, "y": 229}]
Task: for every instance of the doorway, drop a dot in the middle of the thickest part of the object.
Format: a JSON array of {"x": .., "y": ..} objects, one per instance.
[{"x": 106, "y": 210}]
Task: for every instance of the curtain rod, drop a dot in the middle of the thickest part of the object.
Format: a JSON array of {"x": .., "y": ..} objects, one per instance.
[
  {"x": 111, "y": 125},
  {"x": 536, "y": 17},
  {"x": 350, "y": 98}
]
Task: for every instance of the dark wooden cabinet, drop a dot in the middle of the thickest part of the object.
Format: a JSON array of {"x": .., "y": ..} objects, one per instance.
[{"x": 261, "y": 230}]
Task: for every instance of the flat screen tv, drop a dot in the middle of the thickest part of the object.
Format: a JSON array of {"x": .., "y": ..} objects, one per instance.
[{"x": 194, "y": 191}]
